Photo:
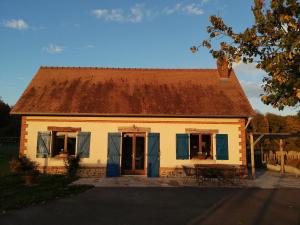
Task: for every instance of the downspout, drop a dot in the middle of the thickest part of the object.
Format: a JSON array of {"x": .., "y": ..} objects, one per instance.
[{"x": 248, "y": 122}]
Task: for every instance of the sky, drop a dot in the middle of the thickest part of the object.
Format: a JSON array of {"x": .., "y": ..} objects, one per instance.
[{"x": 111, "y": 33}]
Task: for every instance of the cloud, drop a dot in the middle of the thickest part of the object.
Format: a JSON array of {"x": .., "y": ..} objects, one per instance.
[
  {"x": 16, "y": 24},
  {"x": 248, "y": 69},
  {"x": 109, "y": 15},
  {"x": 135, "y": 14},
  {"x": 172, "y": 10},
  {"x": 188, "y": 9},
  {"x": 54, "y": 49},
  {"x": 193, "y": 9},
  {"x": 138, "y": 12},
  {"x": 252, "y": 89}
]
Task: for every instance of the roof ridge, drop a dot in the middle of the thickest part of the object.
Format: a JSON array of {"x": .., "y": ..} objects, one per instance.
[{"x": 124, "y": 68}]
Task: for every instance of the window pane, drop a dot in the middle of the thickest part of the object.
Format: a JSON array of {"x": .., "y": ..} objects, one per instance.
[
  {"x": 139, "y": 154},
  {"x": 58, "y": 144},
  {"x": 206, "y": 146},
  {"x": 127, "y": 152},
  {"x": 194, "y": 145},
  {"x": 71, "y": 145}
]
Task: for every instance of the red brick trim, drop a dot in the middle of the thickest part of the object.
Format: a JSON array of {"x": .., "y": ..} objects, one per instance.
[
  {"x": 23, "y": 137},
  {"x": 65, "y": 129},
  {"x": 243, "y": 142},
  {"x": 202, "y": 131}
]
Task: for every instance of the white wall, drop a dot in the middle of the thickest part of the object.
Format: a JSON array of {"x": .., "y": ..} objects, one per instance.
[{"x": 167, "y": 127}]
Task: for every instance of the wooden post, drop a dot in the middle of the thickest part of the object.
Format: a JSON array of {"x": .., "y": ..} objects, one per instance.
[
  {"x": 281, "y": 157},
  {"x": 252, "y": 156},
  {"x": 262, "y": 154}
]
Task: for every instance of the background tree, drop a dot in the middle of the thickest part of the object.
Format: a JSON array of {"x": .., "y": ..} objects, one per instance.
[
  {"x": 277, "y": 124},
  {"x": 4, "y": 113},
  {"x": 272, "y": 123},
  {"x": 259, "y": 123},
  {"x": 9, "y": 125},
  {"x": 273, "y": 42}
]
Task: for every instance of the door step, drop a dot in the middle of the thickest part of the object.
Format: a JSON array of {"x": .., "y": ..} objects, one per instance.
[{"x": 129, "y": 175}]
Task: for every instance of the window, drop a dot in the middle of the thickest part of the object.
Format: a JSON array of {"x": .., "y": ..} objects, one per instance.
[
  {"x": 194, "y": 146},
  {"x": 201, "y": 146},
  {"x": 197, "y": 145},
  {"x": 63, "y": 143}
]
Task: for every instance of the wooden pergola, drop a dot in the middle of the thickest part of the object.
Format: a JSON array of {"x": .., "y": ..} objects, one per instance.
[{"x": 257, "y": 137}]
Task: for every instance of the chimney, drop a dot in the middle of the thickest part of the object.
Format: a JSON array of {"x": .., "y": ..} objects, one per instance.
[{"x": 224, "y": 69}]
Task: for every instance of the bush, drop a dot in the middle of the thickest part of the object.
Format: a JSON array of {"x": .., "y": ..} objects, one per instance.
[
  {"x": 72, "y": 165},
  {"x": 23, "y": 166}
]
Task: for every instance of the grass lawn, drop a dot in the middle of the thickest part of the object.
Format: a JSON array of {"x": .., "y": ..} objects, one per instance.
[
  {"x": 8, "y": 151},
  {"x": 14, "y": 194}
]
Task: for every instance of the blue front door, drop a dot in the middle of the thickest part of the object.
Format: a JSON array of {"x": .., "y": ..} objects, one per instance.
[
  {"x": 153, "y": 155},
  {"x": 113, "y": 156}
]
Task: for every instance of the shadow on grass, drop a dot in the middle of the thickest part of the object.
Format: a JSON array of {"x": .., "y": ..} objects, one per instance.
[
  {"x": 8, "y": 151},
  {"x": 14, "y": 194}
]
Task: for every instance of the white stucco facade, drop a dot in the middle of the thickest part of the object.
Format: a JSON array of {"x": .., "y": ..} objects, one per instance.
[{"x": 99, "y": 127}]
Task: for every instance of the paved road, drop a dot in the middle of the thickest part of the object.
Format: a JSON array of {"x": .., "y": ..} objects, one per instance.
[{"x": 155, "y": 206}]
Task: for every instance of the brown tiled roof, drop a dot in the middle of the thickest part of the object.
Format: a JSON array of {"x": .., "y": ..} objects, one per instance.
[{"x": 145, "y": 92}]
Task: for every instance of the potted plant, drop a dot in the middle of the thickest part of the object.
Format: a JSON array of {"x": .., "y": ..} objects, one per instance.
[{"x": 24, "y": 167}]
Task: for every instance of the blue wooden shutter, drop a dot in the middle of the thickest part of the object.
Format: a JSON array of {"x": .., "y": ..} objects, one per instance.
[
  {"x": 43, "y": 144},
  {"x": 153, "y": 155},
  {"x": 182, "y": 146},
  {"x": 222, "y": 146},
  {"x": 113, "y": 156},
  {"x": 83, "y": 144}
]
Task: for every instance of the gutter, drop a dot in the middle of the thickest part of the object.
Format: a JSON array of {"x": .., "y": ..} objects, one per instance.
[{"x": 128, "y": 115}]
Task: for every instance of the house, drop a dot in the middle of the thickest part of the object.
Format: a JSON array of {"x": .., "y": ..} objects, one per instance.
[{"x": 133, "y": 121}]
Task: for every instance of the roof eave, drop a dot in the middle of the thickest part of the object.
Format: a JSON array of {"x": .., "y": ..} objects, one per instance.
[{"x": 132, "y": 115}]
